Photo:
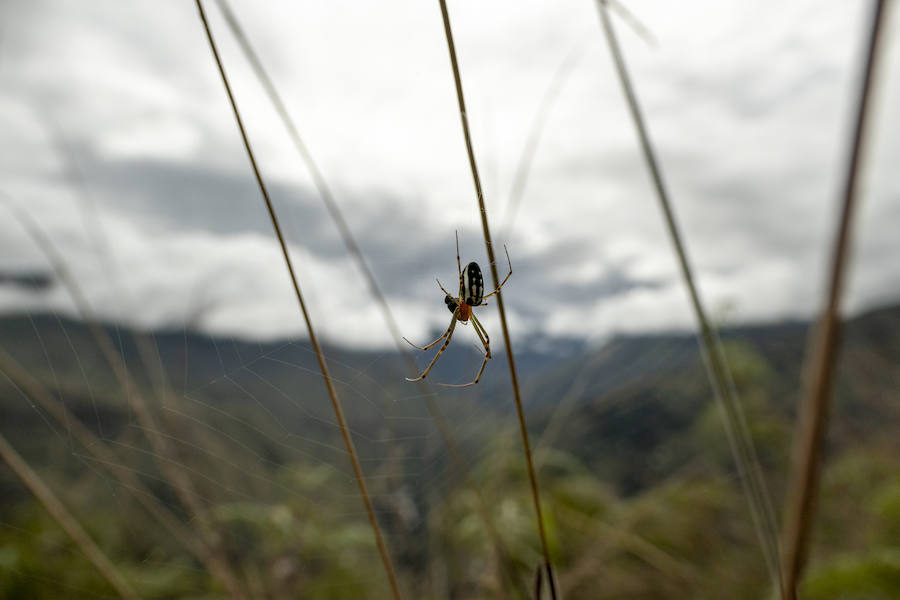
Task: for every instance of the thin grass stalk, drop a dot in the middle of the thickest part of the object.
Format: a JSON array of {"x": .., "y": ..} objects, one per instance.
[
  {"x": 532, "y": 477},
  {"x": 65, "y": 519},
  {"x": 517, "y": 191},
  {"x": 37, "y": 393},
  {"x": 758, "y": 497},
  {"x": 501, "y": 554},
  {"x": 319, "y": 181},
  {"x": 562, "y": 410},
  {"x": 163, "y": 453},
  {"x": 353, "y": 248},
  {"x": 541, "y": 572},
  {"x": 98, "y": 239},
  {"x": 620, "y": 537},
  {"x": 670, "y": 566},
  {"x": 147, "y": 351},
  {"x": 632, "y": 21},
  {"x": 338, "y": 411},
  {"x": 535, "y": 131},
  {"x": 823, "y": 352},
  {"x": 545, "y": 107}
]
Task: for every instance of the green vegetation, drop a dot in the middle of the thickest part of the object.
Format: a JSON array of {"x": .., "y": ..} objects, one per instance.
[{"x": 639, "y": 490}]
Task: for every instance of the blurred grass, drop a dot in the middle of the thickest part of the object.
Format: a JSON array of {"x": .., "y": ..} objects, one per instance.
[{"x": 635, "y": 507}]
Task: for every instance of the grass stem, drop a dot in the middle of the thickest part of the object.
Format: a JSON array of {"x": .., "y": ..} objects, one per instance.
[
  {"x": 163, "y": 452},
  {"x": 332, "y": 393},
  {"x": 65, "y": 519},
  {"x": 532, "y": 477},
  {"x": 822, "y": 355},
  {"x": 758, "y": 498},
  {"x": 535, "y": 131},
  {"x": 334, "y": 210},
  {"x": 36, "y": 392}
]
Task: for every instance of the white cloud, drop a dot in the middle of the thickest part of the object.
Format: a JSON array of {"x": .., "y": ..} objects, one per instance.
[{"x": 749, "y": 109}]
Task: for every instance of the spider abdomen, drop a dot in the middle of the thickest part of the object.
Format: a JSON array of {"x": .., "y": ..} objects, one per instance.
[
  {"x": 451, "y": 303},
  {"x": 472, "y": 284}
]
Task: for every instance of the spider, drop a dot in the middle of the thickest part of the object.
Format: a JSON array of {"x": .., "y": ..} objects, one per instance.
[{"x": 471, "y": 294}]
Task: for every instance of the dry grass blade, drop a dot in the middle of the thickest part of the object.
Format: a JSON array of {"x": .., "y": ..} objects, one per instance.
[
  {"x": 211, "y": 557},
  {"x": 334, "y": 210},
  {"x": 532, "y": 477},
  {"x": 632, "y": 21},
  {"x": 526, "y": 159},
  {"x": 338, "y": 411},
  {"x": 65, "y": 520},
  {"x": 758, "y": 498},
  {"x": 822, "y": 357},
  {"x": 163, "y": 452},
  {"x": 36, "y": 392},
  {"x": 551, "y": 94},
  {"x": 318, "y": 179}
]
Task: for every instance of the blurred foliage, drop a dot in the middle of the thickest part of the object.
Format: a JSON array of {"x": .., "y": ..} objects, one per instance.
[{"x": 637, "y": 482}]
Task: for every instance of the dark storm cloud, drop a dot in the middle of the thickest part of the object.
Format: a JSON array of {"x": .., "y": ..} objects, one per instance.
[
  {"x": 613, "y": 283},
  {"x": 535, "y": 280},
  {"x": 32, "y": 281},
  {"x": 180, "y": 196},
  {"x": 183, "y": 197},
  {"x": 572, "y": 296}
]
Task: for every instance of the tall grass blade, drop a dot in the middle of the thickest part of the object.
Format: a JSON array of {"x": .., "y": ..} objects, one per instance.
[
  {"x": 822, "y": 354},
  {"x": 65, "y": 519},
  {"x": 338, "y": 411},
  {"x": 545, "y": 107},
  {"x": 758, "y": 498},
  {"x": 212, "y": 558},
  {"x": 532, "y": 477},
  {"x": 632, "y": 21},
  {"x": 334, "y": 210},
  {"x": 535, "y": 131},
  {"x": 163, "y": 452},
  {"x": 36, "y": 392}
]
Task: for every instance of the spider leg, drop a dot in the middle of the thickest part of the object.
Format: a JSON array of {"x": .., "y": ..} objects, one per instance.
[
  {"x": 458, "y": 263},
  {"x": 447, "y": 335},
  {"x": 442, "y": 288},
  {"x": 507, "y": 275},
  {"x": 482, "y": 334},
  {"x": 423, "y": 348},
  {"x": 486, "y": 342},
  {"x": 471, "y": 383}
]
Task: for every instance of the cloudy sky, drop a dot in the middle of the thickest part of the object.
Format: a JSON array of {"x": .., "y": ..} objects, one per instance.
[{"x": 118, "y": 140}]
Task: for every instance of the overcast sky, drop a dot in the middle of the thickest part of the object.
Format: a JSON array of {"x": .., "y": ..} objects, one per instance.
[{"x": 118, "y": 139}]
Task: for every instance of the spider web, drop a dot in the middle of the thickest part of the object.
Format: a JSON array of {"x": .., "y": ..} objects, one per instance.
[{"x": 633, "y": 465}]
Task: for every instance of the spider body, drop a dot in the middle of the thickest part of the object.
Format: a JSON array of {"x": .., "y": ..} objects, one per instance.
[
  {"x": 471, "y": 285},
  {"x": 451, "y": 303},
  {"x": 463, "y": 311},
  {"x": 471, "y": 294}
]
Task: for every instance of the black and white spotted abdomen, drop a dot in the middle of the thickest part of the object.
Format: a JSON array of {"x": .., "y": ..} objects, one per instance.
[{"x": 472, "y": 284}]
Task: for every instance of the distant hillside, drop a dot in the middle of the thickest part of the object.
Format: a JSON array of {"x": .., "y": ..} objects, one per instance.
[
  {"x": 633, "y": 408},
  {"x": 632, "y": 460},
  {"x": 626, "y": 409}
]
